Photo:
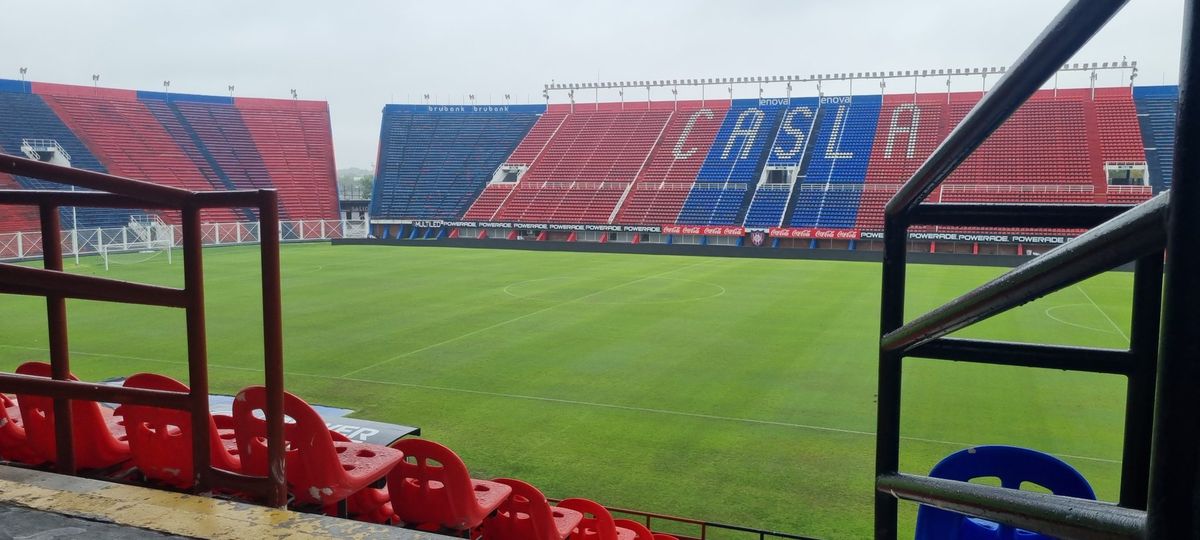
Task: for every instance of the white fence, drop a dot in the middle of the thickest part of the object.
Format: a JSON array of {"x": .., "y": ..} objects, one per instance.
[{"x": 28, "y": 245}]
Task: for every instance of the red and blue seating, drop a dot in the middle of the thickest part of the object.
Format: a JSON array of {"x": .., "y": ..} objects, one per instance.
[
  {"x": 435, "y": 160},
  {"x": 1156, "y": 109},
  {"x": 183, "y": 140}
]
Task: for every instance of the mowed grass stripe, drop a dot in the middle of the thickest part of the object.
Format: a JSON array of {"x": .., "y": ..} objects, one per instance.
[{"x": 581, "y": 399}]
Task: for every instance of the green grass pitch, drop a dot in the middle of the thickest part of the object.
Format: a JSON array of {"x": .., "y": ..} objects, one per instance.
[{"x": 726, "y": 389}]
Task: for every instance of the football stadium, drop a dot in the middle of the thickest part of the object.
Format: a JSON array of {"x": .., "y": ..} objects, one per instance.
[{"x": 934, "y": 303}]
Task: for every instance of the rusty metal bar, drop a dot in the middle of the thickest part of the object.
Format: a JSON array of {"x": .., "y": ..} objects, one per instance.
[
  {"x": 60, "y": 356},
  {"x": 89, "y": 391},
  {"x": 53, "y": 282},
  {"x": 197, "y": 346},
  {"x": 91, "y": 199},
  {"x": 272, "y": 342},
  {"x": 149, "y": 192}
]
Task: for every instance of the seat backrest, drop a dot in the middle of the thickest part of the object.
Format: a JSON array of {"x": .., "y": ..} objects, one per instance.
[
  {"x": 1014, "y": 466},
  {"x": 642, "y": 532},
  {"x": 526, "y": 514},
  {"x": 431, "y": 485},
  {"x": 95, "y": 445},
  {"x": 161, "y": 439},
  {"x": 310, "y": 458},
  {"x": 597, "y": 523},
  {"x": 13, "y": 445}
]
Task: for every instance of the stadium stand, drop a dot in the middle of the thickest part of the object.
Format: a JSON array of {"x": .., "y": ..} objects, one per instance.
[
  {"x": 818, "y": 163},
  {"x": 1156, "y": 115},
  {"x": 587, "y": 166},
  {"x": 434, "y": 161},
  {"x": 183, "y": 140},
  {"x": 733, "y": 163},
  {"x": 662, "y": 187},
  {"x": 24, "y": 115},
  {"x": 784, "y": 161},
  {"x": 830, "y": 194}
]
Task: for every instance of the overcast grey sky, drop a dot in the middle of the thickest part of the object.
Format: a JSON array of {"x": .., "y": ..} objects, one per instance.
[{"x": 361, "y": 55}]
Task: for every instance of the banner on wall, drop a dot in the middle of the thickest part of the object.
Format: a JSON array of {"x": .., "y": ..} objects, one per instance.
[
  {"x": 573, "y": 227},
  {"x": 704, "y": 230},
  {"x": 808, "y": 233},
  {"x": 992, "y": 238}
]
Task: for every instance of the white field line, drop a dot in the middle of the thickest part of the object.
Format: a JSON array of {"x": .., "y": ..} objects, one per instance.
[
  {"x": 1102, "y": 312},
  {"x": 514, "y": 319},
  {"x": 666, "y": 412}
]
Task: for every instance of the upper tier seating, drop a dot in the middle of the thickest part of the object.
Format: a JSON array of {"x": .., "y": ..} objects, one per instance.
[
  {"x": 586, "y": 166},
  {"x": 840, "y": 157},
  {"x": 791, "y": 143},
  {"x": 664, "y": 183},
  {"x": 433, "y": 164},
  {"x": 1156, "y": 107},
  {"x": 132, "y": 143},
  {"x": 26, "y": 116},
  {"x": 732, "y": 165},
  {"x": 296, "y": 144}
]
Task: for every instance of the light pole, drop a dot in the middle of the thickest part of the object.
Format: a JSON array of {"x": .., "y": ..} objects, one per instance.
[
  {"x": 166, "y": 87},
  {"x": 23, "y": 71},
  {"x": 230, "y": 87},
  {"x": 95, "y": 80},
  {"x": 294, "y": 94}
]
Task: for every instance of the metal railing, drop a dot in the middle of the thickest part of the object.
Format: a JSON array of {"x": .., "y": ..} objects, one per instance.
[
  {"x": 700, "y": 528},
  {"x": 82, "y": 242},
  {"x": 57, "y": 286},
  {"x": 1159, "y": 462}
]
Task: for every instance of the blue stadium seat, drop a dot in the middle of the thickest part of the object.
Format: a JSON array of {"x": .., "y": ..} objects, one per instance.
[
  {"x": 1013, "y": 466},
  {"x": 841, "y": 152},
  {"x": 1156, "y": 105},
  {"x": 433, "y": 163}
]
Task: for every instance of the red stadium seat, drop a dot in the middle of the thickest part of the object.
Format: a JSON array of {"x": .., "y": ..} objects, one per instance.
[
  {"x": 642, "y": 532},
  {"x": 13, "y": 445},
  {"x": 161, "y": 439},
  {"x": 368, "y": 504},
  {"x": 600, "y": 524},
  {"x": 527, "y": 515},
  {"x": 320, "y": 471},
  {"x": 100, "y": 440},
  {"x": 431, "y": 488}
]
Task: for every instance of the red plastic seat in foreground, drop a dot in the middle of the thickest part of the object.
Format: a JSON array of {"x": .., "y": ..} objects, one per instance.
[
  {"x": 13, "y": 445},
  {"x": 100, "y": 440},
  {"x": 643, "y": 532},
  {"x": 597, "y": 523},
  {"x": 527, "y": 515},
  {"x": 161, "y": 439},
  {"x": 320, "y": 470},
  {"x": 431, "y": 487}
]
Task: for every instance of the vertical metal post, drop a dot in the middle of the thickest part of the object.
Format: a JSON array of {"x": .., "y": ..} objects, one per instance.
[
  {"x": 891, "y": 317},
  {"x": 197, "y": 347},
  {"x": 273, "y": 345},
  {"x": 1171, "y": 509},
  {"x": 1139, "y": 397},
  {"x": 56, "y": 321}
]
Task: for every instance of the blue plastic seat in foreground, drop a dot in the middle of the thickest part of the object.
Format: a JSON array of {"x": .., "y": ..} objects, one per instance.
[{"x": 1013, "y": 466}]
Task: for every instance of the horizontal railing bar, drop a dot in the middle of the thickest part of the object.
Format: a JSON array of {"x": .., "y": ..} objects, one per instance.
[
  {"x": 1086, "y": 359},
  {"x": 1070, "y": 29},
  {"x": 23, "y": 280},
  {"x": 1132, "y": 235},
  {"x": 244, "y": 198},
  {"x": 254, "y": 485},
  {"x": 1073, "y": 216},
  {"x": 137, "y": 189},
  {"x": 1065, "y": 517},
  {"x": 90, "y": 391},
  {"x": 91, "y": 199},
  {"x": 690, "y": 521}
]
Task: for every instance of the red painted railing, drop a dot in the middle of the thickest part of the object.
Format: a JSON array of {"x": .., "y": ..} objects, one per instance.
[{"x": 57, "y": 286}]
